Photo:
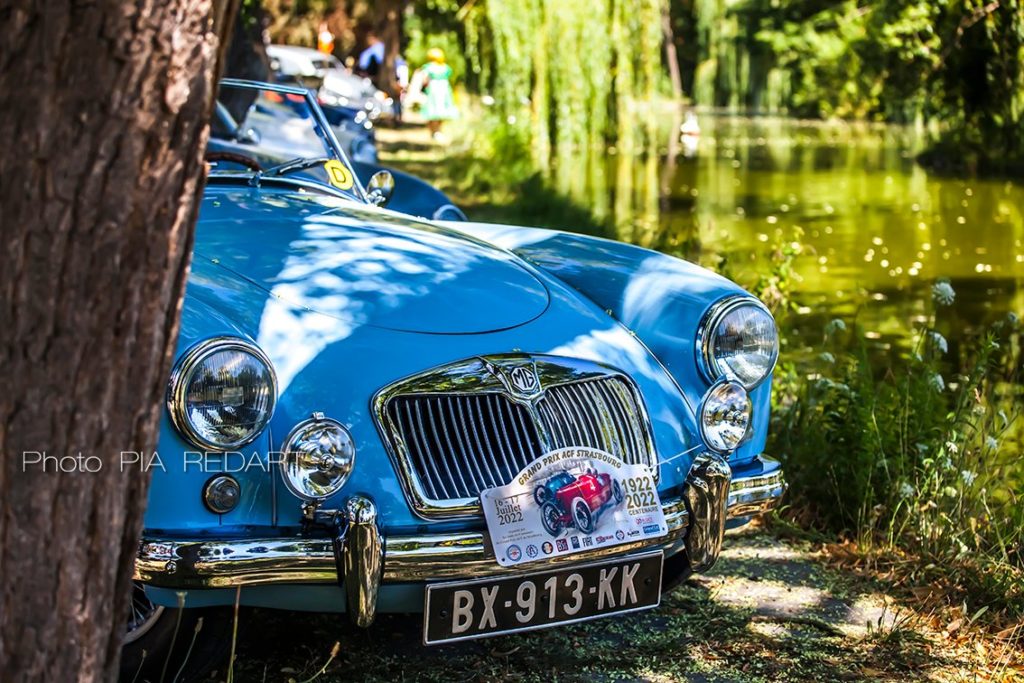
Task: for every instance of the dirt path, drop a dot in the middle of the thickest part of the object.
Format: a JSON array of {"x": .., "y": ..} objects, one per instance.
[{"x": 770, "y": 611}]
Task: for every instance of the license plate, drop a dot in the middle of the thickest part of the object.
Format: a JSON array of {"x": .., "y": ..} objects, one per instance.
[{"x": 486, "y": 607}]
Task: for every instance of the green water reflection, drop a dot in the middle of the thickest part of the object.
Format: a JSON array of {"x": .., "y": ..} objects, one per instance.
[{"x": 878, "y": 229}]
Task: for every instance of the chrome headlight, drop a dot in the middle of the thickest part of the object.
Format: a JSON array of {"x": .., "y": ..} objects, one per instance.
[
  {"x": 738, "y": 340},
  {"x": 222, "y": 393},
  {"x": 724, "y": 416},
  {"x": 318, "y": 458}
]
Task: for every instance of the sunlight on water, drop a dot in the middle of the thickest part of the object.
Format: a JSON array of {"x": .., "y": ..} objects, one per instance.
[{"x": 876, "y": 229}]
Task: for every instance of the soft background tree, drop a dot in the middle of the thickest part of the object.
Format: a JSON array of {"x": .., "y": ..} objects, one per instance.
[{"x": 104, "y": 129}]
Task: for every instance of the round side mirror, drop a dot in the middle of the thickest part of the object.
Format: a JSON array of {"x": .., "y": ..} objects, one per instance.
[
  {"x": 380, "y": 188},
  {"x": 249, "y": 136}
]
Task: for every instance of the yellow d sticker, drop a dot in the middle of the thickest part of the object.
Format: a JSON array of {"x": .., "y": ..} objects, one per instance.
[{"x": 338, "y": 174}]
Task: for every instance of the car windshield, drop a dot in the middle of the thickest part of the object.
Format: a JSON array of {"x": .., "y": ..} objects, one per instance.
[{"x": 266, "y": 131}]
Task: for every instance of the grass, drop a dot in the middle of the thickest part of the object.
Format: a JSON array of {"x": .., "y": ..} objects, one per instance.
[
  {"x": 920, "y": 472},
  {"x": 487, "y": 173},
  {"x": 709, "y": 629}
]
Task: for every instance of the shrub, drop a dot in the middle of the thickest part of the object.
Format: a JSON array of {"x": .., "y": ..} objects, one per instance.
[{"x": 911, "y": 449}]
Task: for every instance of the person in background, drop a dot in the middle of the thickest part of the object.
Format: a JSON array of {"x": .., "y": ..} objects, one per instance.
[
  {"x": 371, "y": 60},
  {"x": 435, "y": 82}
]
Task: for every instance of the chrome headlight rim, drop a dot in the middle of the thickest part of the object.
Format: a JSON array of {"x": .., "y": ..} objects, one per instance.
[
  {"x": 706, "y": 361},
  {"x": 288, "y": 450},
  {"x": 181, "y": 376},
  {"x": 716, "y": 386}
]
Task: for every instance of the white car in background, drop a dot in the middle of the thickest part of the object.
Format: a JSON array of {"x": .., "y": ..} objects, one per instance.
[{"x": 337, "y": 86}]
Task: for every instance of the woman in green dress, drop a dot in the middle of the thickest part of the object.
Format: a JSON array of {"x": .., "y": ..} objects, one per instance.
[{"x": 438, "y": 103}]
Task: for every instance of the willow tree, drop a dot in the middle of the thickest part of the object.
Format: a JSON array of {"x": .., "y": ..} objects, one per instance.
[{"x": 589, "y": 71}]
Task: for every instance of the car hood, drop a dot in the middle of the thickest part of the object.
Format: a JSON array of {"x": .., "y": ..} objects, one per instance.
[{"x": 363, "y": 265}]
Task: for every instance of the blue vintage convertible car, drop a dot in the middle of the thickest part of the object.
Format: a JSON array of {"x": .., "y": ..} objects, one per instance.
[{"x": 350, "y": 380}]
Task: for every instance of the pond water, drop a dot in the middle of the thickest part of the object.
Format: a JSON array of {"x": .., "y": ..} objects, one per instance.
[{"x": 875, "y": 229}]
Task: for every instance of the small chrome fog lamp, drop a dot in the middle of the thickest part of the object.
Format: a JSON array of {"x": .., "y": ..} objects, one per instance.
[
  {"x": 724, "y": 417},
  {"x": 222, "y": 493},
  {"x": 317, "y": 459}
]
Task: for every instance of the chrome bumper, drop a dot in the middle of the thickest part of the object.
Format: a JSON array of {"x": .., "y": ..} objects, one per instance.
[{"x": 365, "y": 558}]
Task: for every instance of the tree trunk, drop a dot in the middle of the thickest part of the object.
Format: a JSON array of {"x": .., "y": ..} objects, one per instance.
[
  {"x": 247, "y": 50},
  {"x": 246, "y": 58},
  {"x": 104, "y": 127},
  {"x": 388, "y": 18},
  {"x": 671, "y": 55}
]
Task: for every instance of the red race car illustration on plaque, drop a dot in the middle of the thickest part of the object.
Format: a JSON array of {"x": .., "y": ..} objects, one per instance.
[
  {"x": 568, "y": 501},
  {"x": 572, "y": 500}
]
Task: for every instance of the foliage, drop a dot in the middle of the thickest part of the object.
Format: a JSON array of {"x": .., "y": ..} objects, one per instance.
[
  {"x": 439, "y": 23},
  {"x": 575, "y": 71},
  {"x": 908, "y": 449},
  {"x": 954, "y": 64}
]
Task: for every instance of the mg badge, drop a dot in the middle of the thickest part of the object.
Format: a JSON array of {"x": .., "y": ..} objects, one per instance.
[
  {"x": 518, "y": 376},
  {"x": 524, "y": 380}
]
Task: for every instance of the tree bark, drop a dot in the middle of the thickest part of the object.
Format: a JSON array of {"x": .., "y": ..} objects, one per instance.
[
  {"x": 387, "y": 17},
  {"x": 104, "y": 128}
]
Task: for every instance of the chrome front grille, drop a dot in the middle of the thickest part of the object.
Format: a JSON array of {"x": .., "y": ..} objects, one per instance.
[
  {"x": 466, "y": 427},
  {"x": 461, "y": 445},
  {"x": 601, "y": 413}
]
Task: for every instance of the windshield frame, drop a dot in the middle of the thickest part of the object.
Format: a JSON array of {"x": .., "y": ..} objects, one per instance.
[{"x": 326, "y": 134}]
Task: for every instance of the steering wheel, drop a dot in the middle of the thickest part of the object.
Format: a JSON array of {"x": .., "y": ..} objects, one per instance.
[{"x": 235, "y": 158}]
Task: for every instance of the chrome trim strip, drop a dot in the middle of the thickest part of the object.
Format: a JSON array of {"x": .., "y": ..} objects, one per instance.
[
  {"x": 204, "y": 563},
  {"x": 430, "y": 557},
  {"x": 556, "y": 421},
  {"x": 752, "y": 496}
]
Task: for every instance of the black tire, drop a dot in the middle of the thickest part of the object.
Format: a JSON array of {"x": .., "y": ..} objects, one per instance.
[
  {"x": 541, "y": 495},
  {"x": 617, "y": 491},
  {"x": 582, "y": 516},
  {"x": 551, "y": 518},
  {"x": 166, "y": 639}
]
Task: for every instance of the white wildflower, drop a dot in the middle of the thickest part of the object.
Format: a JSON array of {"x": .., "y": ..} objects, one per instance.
[
  {"x": 906, "y": 490},
  {"x": 835, "y": 325},
  {"x": 943, "y": 293},
  {"x": 938, "y": 342},
  {"x": 937, "y": 383},
  {"x": 991, "y": 443},
  {"x": 952, "y": 447},
  {"x": 946, "y": 463},
  {"x": 827, "y": 357},
  {"x": 968, "y": 476}
]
